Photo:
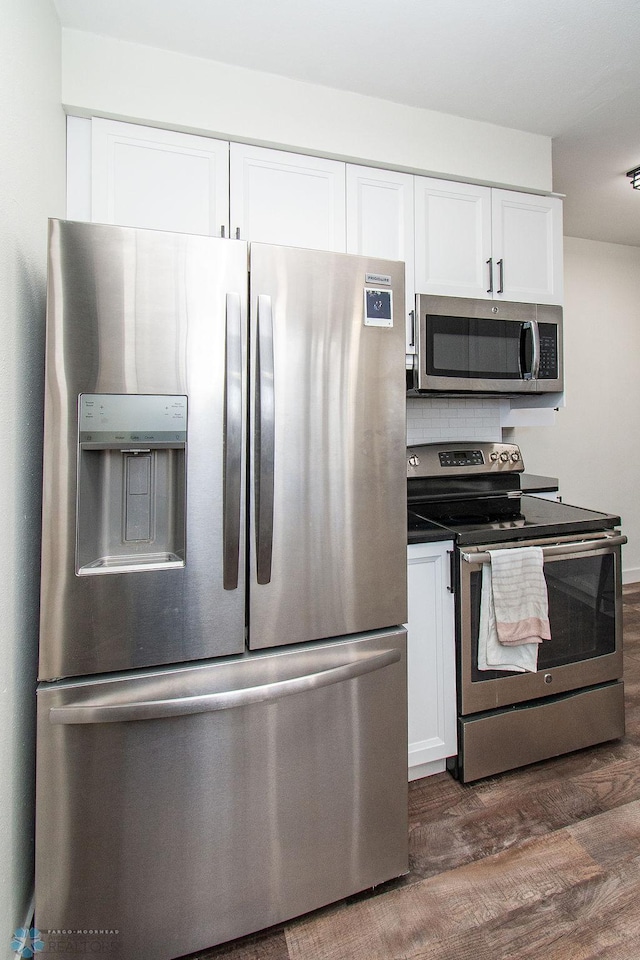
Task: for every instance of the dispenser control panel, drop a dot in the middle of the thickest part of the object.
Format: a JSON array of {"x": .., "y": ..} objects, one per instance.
[{"x": 110, "y": 418}]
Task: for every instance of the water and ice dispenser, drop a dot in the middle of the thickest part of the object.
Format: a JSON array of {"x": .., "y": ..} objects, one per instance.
[{"x": 131, "y": 506}]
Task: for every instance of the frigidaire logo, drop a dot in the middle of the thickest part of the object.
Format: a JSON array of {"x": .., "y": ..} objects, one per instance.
[{"x": 27, "y": 942}]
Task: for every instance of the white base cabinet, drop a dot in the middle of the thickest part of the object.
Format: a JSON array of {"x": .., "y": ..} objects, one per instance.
[{"x": 430, "y": 659}]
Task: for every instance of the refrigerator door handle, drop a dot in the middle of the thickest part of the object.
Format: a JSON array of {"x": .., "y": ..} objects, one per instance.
[
  {"x": 158, "y": 708},
  {"x": 232, "y": 442},
  {"x": 264, "y": 440}
]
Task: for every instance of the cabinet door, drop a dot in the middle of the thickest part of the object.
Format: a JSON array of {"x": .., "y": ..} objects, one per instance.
[
  {"x": 146, "y": 177},
  {"x": 527, "y": 247},
  {"x": 380, "y": 223},
  {"x": 287, "y": 198},
  {"x": 453, "y": 238},
  {"x": 430, "y": 659}
]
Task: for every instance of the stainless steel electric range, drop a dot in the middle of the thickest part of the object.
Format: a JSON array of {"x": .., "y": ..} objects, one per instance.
[{"x": 472, "y": 492}]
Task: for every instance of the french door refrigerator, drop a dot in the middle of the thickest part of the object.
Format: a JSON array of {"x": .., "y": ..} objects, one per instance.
[{"x": 222, "y": 728}]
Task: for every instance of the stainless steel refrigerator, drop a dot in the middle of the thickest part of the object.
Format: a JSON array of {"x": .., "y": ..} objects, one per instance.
[{"x": 222, "y": 727}]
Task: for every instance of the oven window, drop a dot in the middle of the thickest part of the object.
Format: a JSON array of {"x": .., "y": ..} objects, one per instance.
[
  {"x": 581, "y": 613},
  {"x": 466, "y": 347}
]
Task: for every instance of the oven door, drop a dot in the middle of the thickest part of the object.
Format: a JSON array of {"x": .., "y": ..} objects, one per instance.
[{"x": 583, "y": 576}]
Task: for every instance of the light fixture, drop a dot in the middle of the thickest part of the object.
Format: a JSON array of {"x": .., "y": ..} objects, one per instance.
[{"x": 635, "y": 178}]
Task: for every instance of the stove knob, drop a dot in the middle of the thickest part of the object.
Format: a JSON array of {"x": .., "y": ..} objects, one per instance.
[
  {"x": 515, "y": 457},
  {"x": 494, "y": 457},
  {"x": 504, "y": 457},
  {"x": 414, "y": 461}
]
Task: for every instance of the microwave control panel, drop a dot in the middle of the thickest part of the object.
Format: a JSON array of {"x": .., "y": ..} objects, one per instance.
[{"x": 548, "y": 369}]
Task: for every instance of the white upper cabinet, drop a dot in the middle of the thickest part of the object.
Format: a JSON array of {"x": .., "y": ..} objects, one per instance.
[
  {"x": 146, "y": 177},
  {"x": 380, "y": 222},
  {"x": 453, "y": 238},
  {"x": 287, "y": 198},
  {"x": 480, "y": 242},
  {"x": 527, "y": 247},
  {"x": 456, "y": 239}
]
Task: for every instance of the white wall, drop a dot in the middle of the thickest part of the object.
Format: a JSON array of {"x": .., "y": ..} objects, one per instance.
[
  {"x": 128, "y": 81},
  {"x": 32, "y": 188},
  {"x": 594, "y": 447}
]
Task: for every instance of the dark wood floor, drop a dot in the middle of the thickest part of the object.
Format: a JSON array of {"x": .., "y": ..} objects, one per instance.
[{"x": 538, "y": 864}]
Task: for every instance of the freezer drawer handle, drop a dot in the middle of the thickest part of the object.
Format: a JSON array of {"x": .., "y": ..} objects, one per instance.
[
  {"x": 104, "y": 712},
  {"x": 264, "y": 440},
  {"x": 232, "y": 442}
]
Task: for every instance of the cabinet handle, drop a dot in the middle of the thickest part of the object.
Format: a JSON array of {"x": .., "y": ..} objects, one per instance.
[
  {"x": 490, "y": 265},
  {"x": 452, "y": 568},
  {"x": 501, "y": 269},
  {"x": 237, "y": 233},
  {"x": 412, "y": 317},
  {"x": 222, "y": 230}
]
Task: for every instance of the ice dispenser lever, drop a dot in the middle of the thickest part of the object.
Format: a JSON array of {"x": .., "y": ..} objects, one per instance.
[
  {"x": 131, "y": 483},
  {"x": 138, "y": 496}
]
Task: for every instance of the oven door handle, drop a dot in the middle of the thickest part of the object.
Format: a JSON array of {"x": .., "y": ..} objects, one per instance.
[{"x": 556, "y": 549}]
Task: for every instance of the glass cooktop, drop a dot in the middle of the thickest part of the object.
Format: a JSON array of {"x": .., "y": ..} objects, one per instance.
[{"x": 521, "y": 518}]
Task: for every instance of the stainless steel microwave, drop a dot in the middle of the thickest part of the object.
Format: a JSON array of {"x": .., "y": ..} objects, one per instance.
[{"x": 484, "y": 346}]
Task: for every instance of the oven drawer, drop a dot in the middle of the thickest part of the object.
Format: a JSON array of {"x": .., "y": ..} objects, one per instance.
[{"x": 506, "y": 739}]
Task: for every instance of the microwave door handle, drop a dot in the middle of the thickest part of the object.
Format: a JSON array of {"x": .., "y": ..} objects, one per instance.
[
  {"x": 529, "y": 328},
  {"x": 525, "y": 332},
  {"x": 535, "y": 359}
]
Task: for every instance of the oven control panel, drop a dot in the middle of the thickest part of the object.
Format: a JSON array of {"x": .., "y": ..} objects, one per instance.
[{"x": 463, "y": 459}]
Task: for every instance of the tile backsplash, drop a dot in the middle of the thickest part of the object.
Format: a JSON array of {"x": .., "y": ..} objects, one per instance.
[{"x": 452, "y": 418}]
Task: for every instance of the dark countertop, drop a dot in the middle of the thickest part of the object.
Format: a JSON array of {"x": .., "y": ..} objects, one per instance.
[
  {"x": 431, "y": 533},
  {"x": 532, "y": 483}
]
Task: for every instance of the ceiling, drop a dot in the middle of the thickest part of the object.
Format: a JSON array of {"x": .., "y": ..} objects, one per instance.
[{"x": 569, "y": 69}]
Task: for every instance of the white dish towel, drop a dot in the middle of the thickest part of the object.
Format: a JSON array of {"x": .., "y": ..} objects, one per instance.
[{"x": 514, "y": 610}]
